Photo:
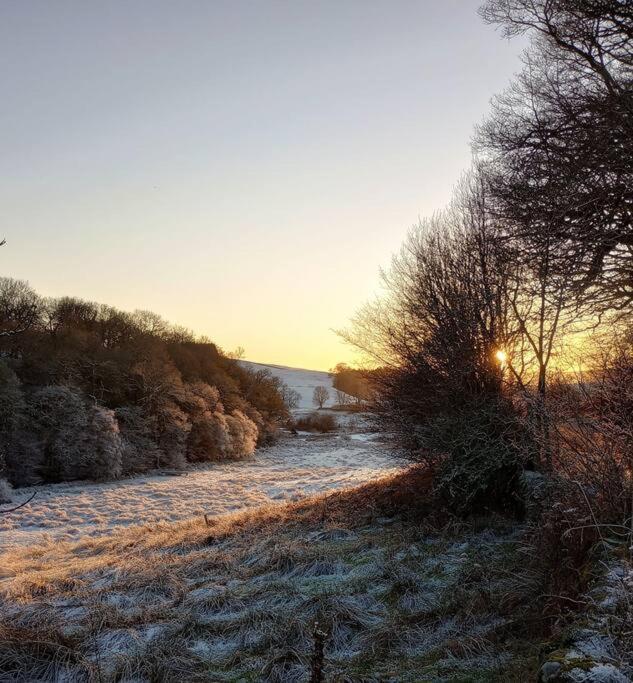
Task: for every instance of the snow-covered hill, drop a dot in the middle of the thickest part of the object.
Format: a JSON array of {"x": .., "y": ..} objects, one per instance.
[{"x": 303, "y": 381}]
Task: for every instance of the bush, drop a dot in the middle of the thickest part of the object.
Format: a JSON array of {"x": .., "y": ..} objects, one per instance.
[
  {"x": 5, "y": 491},
  {"x": 483, "y": 455},
  {"x": 75, "y": 440},
  {"x": 139, "y": 450},
  {"x": 215, "y": 435},
  {"x": 60, "y": 419},
  {"x": 103, "y": 457},
  {"x": 316, "y": 422},
  {"x": 590, "y": 435},
  {"x": 350, "y": 407},
  {"x": 171, "y": 432},
  {"x": 11, "y": 400},
  {"x": 11, "y": 414}
]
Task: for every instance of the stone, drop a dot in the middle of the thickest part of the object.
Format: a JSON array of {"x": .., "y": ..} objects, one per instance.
[{"x": 550, "y": 672}]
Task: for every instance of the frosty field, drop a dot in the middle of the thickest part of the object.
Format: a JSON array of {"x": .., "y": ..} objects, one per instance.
[
  {"x": 296, "y": 466},
  {"x": 400, "y": 599}
]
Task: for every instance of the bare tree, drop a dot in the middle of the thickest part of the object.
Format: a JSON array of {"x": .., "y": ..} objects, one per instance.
[
  {"x": 559, "y": 144},
  {"x": 342, "y": 398},
  {"x": 291, "y": 397},
  {"x": 19, "y": 307},
  {"x": 320, "y": 396},
  {"x": 237, "y": 354},
  {"x": 437, "y": 332}
]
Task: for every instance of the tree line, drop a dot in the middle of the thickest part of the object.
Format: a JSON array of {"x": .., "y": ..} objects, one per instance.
[{"x": 89, "y": 391}]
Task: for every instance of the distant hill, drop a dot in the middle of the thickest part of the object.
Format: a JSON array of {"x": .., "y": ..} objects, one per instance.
[{"x": 303, "y": 381}]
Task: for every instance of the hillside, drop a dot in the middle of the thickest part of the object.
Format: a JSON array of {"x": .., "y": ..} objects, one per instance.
[{"x": 303, "y": 381}]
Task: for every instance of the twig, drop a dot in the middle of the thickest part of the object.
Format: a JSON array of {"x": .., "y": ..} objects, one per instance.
[
  {"x": 21, "y": 505},
  {"x": 595, "y": 524}
]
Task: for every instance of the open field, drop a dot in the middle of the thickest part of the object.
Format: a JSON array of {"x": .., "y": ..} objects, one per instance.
[
  {"x": 401, "y": 597},
  {"x": 294, "y": 467}
]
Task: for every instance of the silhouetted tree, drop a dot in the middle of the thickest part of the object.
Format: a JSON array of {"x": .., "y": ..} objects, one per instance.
[
  {"x": 559, "y": 144},
  {"x": 435, "y": 336},
  {"x": 19, "y": 307}
]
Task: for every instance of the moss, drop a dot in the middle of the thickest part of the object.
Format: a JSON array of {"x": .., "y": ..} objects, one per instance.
[
  {"x": 583, "y": 663},
  {"x": 570, "y": 663}
]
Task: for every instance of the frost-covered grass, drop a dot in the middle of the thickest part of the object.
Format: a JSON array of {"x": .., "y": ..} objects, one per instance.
[
  {"x": 296, "y": 466},
  {"x": 403, "y": 596},
  {"x": 597, "y": 646}
]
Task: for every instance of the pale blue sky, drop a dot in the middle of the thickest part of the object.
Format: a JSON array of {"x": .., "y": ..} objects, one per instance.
[{"x": 242, "y": 168}]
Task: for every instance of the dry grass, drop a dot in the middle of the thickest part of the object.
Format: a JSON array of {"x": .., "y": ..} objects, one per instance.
[{"x": 403, "y": 595}]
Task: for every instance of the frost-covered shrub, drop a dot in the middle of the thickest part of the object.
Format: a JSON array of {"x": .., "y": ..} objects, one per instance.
[
  {"x": 207, "y": 439},
  {"x": 172, "y": 430},
  {"x": 11, "y": 400},
  {"x": 483, "y": 450},
  {"x": 267, "y": 430},
  {"x": 317, "y": 422},
  {"x": 5, "y": 491},
  {"x": 24, "y": 456},
  {"x": 103, "y": 447},
  {"x": 216, "y": 436},
  {"x": 11, "y": 416},
  {"x": 61, "y": 419},
  {"x": 208, "y": 394},
  {"x": 76, "y": 440},
  {"x": 140, "y": 451},
  {"x": 243, "y": 435}
]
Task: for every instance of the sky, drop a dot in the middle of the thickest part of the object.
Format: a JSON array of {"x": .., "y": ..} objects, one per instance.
[{"x": 242, "y": 168}]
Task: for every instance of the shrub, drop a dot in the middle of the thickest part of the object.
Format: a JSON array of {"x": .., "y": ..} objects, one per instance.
[
  {"x": 103, "y": 447},
  {"x": 171, "y": 431},
  {"x": 482, "y": 459},
  {"x": 243, "y": 435},
  {"x": 76, "y": 440},
  {"x": 221, "y": 437},
  {"x": 267, "y": 430},
  {"x": 11, "y": 400},
  {"x": 5, "y": 491},
  {"x": 316, "y": 422},
  {"x": 561, "y": 545},
  {"x": 12, "y": 406},
  {"x": 591, "y": 433},
  {"x": 61, "y": 420},
  {"x": 139, "y": 450}
]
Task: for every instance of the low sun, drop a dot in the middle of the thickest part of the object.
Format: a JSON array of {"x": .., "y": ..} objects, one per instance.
[{"x": 501, "y": 356}]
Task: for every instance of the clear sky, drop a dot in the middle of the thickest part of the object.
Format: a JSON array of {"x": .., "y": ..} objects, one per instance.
[{"x": 242, "y": 168}]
